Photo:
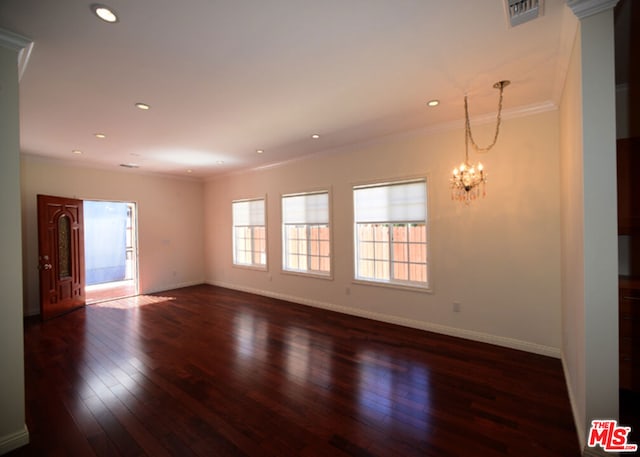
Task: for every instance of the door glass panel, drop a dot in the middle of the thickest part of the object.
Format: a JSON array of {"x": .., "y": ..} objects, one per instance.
[{"x": 64, "y": 247}]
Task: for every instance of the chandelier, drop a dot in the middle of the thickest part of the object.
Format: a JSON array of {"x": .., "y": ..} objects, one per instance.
[{"x": 469, "y": 180}]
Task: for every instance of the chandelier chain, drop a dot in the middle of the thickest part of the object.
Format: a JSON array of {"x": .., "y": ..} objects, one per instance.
[
  {"x": 500, "y": 85},
  {"x": 468, "y": 181}
]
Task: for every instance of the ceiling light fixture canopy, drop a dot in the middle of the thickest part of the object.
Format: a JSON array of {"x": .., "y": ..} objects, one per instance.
[
  {"x": 105, "y": 13},
  {"x": 469, "y": 179}
]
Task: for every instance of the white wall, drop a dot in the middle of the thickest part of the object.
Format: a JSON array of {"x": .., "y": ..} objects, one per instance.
[
  {"x": 170, "y": 220},
  {"x": 499, "y": 257},
  {"x": 13, "y": 431},
  {"x": 589, "y": 242},
  {"x": 573, "y": 330}
]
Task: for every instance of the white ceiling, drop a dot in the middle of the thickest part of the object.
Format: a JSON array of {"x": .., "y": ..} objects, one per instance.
[{"x": 227, "y": 77}]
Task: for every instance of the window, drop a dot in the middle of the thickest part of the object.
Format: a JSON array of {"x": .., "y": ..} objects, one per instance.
[
  {"x": 249, "y": 233},
  {"x": 305, "y": 232},
  {"x": 391, "y": 233}
]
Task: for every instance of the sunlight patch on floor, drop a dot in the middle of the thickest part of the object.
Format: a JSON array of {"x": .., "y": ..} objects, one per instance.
[{"x": 133, "y": 302}]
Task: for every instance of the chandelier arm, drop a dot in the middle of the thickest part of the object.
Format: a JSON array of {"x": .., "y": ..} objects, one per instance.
[{"x": 499, "y": 85}]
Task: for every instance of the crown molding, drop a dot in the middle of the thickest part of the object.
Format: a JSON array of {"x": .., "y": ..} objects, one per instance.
[
  {"x": 585, "y": 8},
  {"x": 22, "y": 45},
  {"x": 12, "y": 40},
  {"x": 512, "y": 113}
]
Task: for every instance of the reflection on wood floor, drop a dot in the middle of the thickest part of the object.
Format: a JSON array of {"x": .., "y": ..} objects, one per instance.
[{"x": 206, "y": 371}]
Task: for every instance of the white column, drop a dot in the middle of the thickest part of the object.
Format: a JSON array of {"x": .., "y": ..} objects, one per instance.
[
  {"x": 13, "y": 430},
  {"x": 598, "y": 376}
]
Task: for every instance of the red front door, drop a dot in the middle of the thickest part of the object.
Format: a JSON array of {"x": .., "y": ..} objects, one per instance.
[{"x": 61, "y": 255}]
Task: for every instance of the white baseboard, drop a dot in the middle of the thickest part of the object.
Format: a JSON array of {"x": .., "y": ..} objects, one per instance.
[
  {"x": 31, "y": 313},
  {"x": 166, "y": 287},
  {"x": 405, "y": 322},
  {"x": 579, "y": 422},
  {"x": 14, "y": 440}
]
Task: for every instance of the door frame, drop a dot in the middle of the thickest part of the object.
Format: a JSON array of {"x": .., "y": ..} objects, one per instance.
[{"x": 91, "y": 298}]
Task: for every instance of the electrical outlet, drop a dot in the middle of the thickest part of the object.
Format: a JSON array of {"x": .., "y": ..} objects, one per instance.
[{"x": 457, "y": 307}]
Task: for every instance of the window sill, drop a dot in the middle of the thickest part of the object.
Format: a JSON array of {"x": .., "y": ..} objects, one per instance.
[
  {"x": 250, "y": 267},
  {"x": 308, "y": 274},
  {"x": 394, "y": 285}
]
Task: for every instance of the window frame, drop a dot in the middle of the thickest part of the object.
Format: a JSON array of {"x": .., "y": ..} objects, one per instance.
[
  {"x": 251, "y": 266},
  {"x": 308, "y": 227},
  {"x": 394, "y": 283}
]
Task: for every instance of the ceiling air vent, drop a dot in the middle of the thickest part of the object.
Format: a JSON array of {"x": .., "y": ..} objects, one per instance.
[{"x": 521, "y": 11}]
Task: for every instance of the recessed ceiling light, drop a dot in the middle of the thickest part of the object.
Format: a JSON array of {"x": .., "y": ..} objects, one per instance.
[
  {"x": 77, "y": 151},
  {"x": 315, "y": 136},
  {"x": 260, "y": 151},
  {"x": 100, "y": 135},
  {"x": 104, "y": 12},
  {"x": 220, "y": 162},
  {"x": 143, "y": 106},
  {"x": 433, "y": 103}
]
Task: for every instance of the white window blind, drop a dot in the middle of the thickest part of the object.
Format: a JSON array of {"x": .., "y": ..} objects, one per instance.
[
  {"x": 249, "y": 233},
  {"x": 306, "y": 209},
  {"x": 248, "y": 213},
  {"x": 402, "y": 202}
]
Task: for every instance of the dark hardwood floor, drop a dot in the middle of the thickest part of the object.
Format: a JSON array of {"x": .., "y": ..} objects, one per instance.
[{"x": 206, "y": 371}]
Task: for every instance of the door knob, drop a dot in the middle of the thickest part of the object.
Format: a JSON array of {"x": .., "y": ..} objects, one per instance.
[{"x": 44, "y": 266}]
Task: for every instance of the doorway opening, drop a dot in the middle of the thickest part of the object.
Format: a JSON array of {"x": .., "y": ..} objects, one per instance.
[{"x": 110, "y": 249}]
